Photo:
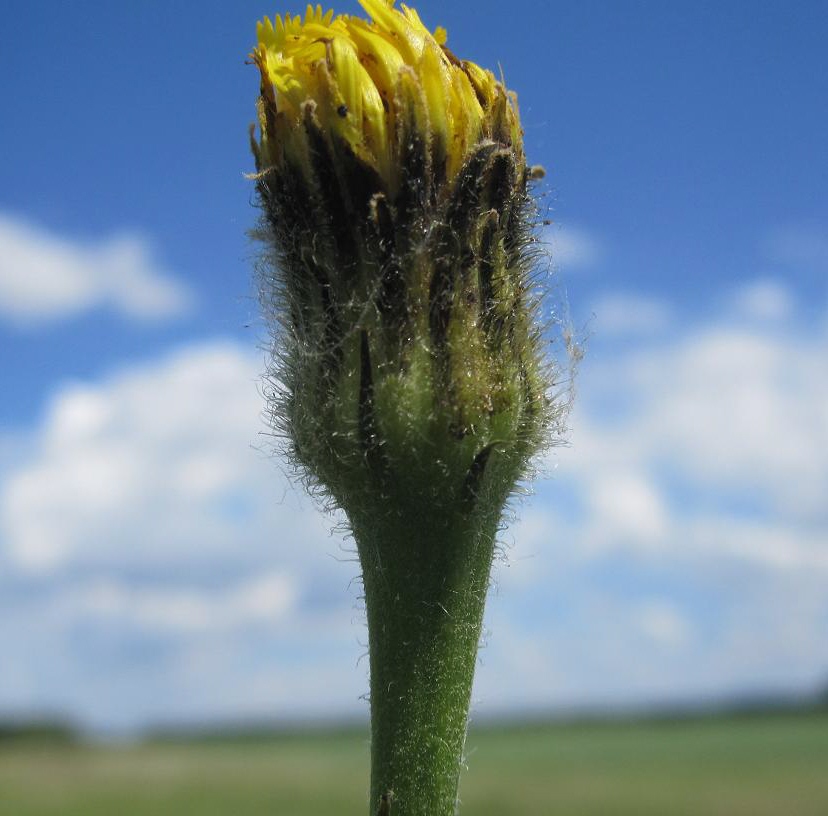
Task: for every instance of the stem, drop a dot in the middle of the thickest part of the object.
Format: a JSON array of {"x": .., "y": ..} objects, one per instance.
[{"x": 425, "y": 590}]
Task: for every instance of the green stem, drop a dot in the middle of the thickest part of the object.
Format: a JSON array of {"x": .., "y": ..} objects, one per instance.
[{"x": 425, "y": 589}]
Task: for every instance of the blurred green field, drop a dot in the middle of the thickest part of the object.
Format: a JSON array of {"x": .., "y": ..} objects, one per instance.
[{"x": 737, "y": 766}]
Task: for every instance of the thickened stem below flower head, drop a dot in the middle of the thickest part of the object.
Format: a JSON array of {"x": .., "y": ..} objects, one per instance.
[{"x": 409, "y": 377}]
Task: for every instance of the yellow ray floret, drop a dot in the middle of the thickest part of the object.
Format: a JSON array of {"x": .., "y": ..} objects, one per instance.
[{"x": 350, "y": 68}]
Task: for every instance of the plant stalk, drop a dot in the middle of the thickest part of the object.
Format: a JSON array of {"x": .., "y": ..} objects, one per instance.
[{"x": 425, "y": 609}]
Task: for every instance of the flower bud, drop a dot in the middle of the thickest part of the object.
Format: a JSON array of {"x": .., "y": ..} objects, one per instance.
[
  {"x": 394, "y": 188},
  {"x": 408, "y": 376}
]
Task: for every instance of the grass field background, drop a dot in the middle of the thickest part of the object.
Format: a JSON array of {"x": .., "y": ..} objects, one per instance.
[{"x": 761, "y": 765}]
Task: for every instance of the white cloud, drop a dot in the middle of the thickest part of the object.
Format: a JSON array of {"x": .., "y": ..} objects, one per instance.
[
  {"x": 765, "y": 300},
  {"x": 264, "y": 599},
  {"x": 659, "y": 620},
  {"x": 627, "y": 314},
  {"x": 596, "y": 645},
  {"x": 573, "y": 247},
  {"x": 155, "y": 565},
  {"x": 153, "y": 465},
  {"x": 45, "y": 276},
  {"x": 629, "y": 505},
  {"x": 734, "y": 410},
  {"x": 780, "y": 545},
  {"x": 681, "y": 549}
]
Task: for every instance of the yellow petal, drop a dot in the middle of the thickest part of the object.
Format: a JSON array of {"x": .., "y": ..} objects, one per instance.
[
  {"x": 353, "y": 70},
  {"x": 434, "y": 77}
]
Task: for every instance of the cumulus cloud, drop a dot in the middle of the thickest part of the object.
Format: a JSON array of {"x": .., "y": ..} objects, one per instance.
[
  {"x": 573, "y": 247},
  {"x": 46, "y": 276},
  {"x": 736, "y": 410},
  {"x": 262, "y": 599},
  {"x": 630, "y": 314},
  {"x": 156, "y": 464},
  {"x": 680, "y": 550},
  {"x": 156, "y": 560},
  {"x": 660, "y": 620},
  {"x": 627, "y": 504},
  {"x": 765, "y": 300}
]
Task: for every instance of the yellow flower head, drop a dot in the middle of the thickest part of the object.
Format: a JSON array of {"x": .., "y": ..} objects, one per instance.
[
  {"x": 362, "y": 77},
  {"x": 409, "y": 366}
]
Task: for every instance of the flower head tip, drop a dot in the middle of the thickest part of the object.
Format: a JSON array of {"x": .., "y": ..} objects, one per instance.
[{"x": 361, "y": 75}]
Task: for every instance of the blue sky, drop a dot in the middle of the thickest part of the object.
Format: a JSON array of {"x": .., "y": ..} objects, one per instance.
[{"x": 676, "y": 549}]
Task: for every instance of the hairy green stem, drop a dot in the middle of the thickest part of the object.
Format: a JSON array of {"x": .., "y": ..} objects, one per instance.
[{"x": 424, "y": 628}]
